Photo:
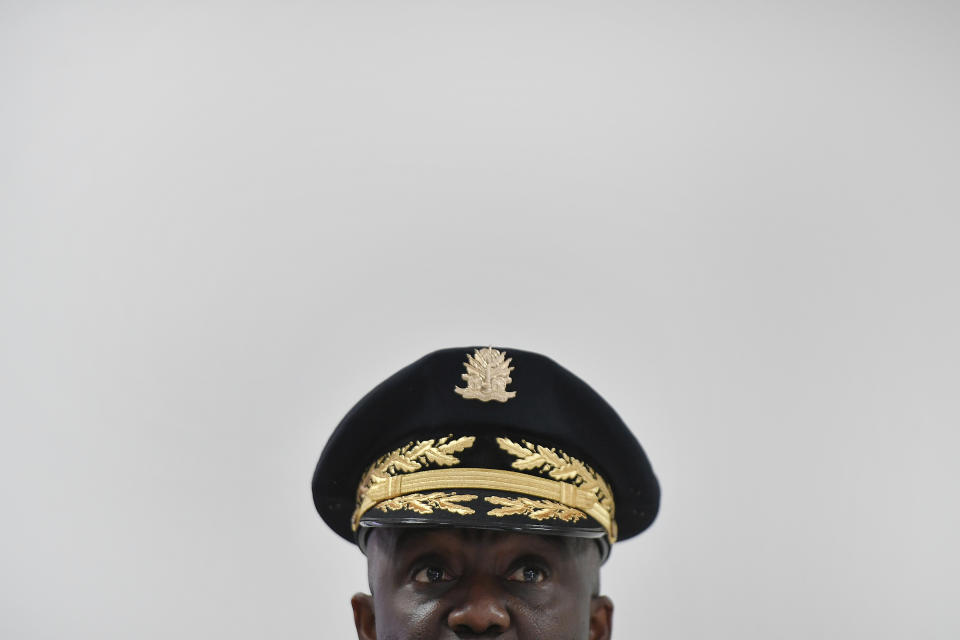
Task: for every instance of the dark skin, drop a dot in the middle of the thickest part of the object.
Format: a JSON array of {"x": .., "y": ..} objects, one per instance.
[{"x": 451, "y": 584}]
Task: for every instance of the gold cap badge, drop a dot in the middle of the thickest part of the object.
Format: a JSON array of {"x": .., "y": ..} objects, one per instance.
[{"x": 487, "y": 376}]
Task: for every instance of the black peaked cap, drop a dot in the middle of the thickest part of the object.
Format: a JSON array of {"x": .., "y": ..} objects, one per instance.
[{"x": 543, "y": 404}]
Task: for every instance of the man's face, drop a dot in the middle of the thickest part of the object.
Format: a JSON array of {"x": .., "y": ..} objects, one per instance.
[{"x": 446, "y": 584}]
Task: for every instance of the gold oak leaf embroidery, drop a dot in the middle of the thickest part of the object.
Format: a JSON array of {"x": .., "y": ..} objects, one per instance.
[
  {"x": 559, "y": 466},
  {"x": 427, "y": 502},
  {"x": 535, "y": 509},
  {"x": 487, "y": 376},
  {"x": 412, "y": 457}
]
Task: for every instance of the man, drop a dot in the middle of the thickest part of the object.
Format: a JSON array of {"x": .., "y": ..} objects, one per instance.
[{"x": 486, "y": 493}]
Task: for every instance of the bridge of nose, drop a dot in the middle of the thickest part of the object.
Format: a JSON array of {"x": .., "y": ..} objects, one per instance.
[{"x": 481, "y": 604}]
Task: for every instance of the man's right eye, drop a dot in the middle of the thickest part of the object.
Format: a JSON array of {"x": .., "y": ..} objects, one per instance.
[{"x": 432, "y": 575}]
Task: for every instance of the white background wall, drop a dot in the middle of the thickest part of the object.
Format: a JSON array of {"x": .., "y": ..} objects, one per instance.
[{"x": 222, "y": 222}]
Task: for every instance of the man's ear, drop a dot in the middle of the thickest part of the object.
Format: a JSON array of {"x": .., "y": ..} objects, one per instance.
[
  {"x": 601, "y": 618},
  {"x": 363, "y": 616}
]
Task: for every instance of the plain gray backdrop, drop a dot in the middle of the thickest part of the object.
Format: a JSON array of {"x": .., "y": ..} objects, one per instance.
[{"x": 221, "y": 223}]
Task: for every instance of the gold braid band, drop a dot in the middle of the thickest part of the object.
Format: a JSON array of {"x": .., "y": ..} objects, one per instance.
[
  {"x": 565, "y": 493},
  {"x": 406, "y": 459}
]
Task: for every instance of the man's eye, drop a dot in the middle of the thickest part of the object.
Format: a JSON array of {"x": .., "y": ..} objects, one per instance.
[
  {"x": 528, "y": 573},
  {"x": 432, "y": 575}
]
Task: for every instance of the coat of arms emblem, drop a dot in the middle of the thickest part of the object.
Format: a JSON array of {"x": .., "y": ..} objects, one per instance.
[{"x": 487, "y": 376}]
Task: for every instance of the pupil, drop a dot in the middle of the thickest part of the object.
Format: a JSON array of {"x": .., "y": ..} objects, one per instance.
[
  {"x": 530, "y": 574},
  {"x": 434, "y": 574}
]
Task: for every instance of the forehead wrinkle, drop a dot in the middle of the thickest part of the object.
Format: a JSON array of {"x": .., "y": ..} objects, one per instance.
[
  {"x": 479, "y": 535},
  {"x": 406, "y": 536},
  {"x": 401, "y": 536}
]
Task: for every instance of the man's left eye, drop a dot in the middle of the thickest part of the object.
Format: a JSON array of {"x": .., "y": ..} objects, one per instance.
[{"x": 528, "y": 573}]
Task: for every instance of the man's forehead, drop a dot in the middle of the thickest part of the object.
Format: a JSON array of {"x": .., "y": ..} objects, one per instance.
[{"x": 399, "y": 540}]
